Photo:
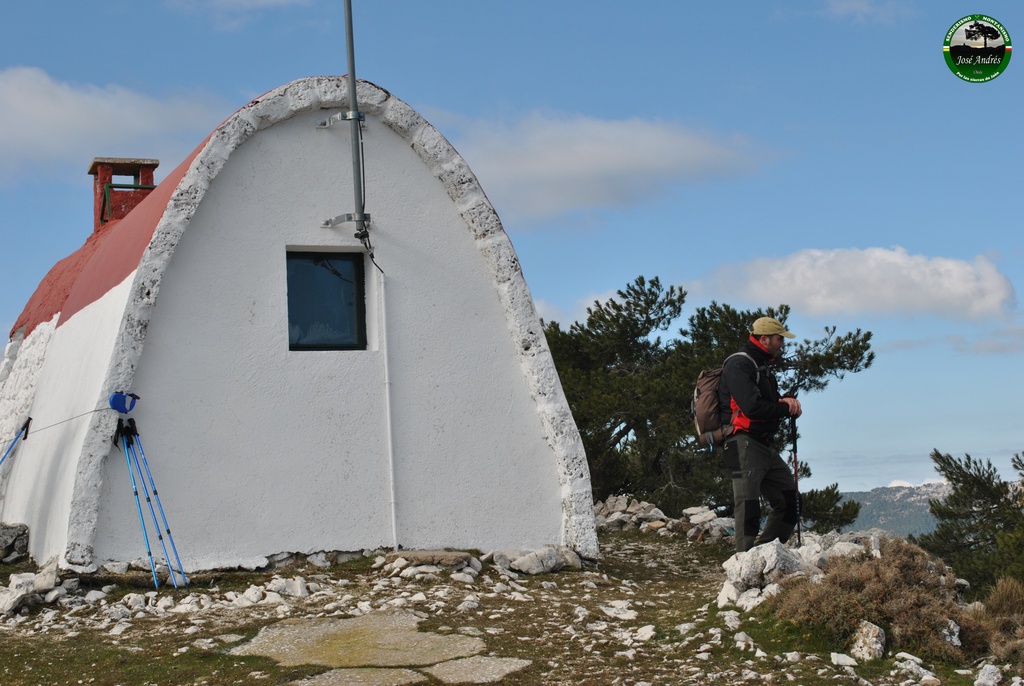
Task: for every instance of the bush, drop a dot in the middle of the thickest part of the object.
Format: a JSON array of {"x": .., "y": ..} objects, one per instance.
[
  {"x": 1006, "y": 598},
  {"x": 1004, "y": 617},
  {"x": 905, "y": 591}
]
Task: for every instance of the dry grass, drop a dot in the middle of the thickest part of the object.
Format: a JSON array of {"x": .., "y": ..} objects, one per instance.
[
  {"x": 1006, "y": 598},
  {"x": 1003, "y": 615},
  {"x": 905, "y": 591}
]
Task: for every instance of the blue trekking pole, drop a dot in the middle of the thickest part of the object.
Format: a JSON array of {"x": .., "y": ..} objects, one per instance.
[
  {"x": 126, "y": 439},
  {"x": 152, "y": 513},
  {"x": 152, "y": 485},
  {"x": 22, "y": 434}
]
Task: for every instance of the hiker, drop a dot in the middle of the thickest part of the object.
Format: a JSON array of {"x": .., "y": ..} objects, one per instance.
[{"x": 748, "y": 398}]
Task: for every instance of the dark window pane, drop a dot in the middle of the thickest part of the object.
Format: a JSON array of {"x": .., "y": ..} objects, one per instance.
[{"x": 326, "y": 302}]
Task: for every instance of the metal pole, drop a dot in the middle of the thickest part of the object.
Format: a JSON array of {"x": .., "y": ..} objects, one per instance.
[
  {"x": 357, "y": 148},
  {"x": 387, "y": 417},
  {"x": 796, "y": 485}
]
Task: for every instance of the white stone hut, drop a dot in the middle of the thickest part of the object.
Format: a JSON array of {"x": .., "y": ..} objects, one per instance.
[{"x": 293, "y": 396}]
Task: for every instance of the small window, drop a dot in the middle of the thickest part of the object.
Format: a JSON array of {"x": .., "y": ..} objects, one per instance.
[{"x": 326, "y": 301}]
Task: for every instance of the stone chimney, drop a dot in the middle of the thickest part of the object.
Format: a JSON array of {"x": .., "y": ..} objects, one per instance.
[{"x": 113, "y": 200}]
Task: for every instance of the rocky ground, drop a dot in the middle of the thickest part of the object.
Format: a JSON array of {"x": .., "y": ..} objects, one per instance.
[{"x": 645, "y": 614}]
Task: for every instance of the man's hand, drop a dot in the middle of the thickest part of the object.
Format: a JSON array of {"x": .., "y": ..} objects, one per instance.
[{"x": 794, "y": 406}]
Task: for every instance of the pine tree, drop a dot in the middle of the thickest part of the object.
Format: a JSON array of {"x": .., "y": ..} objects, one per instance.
[
  {"x": 980, "y": 528},
  {"x": 824, "y": 511},
  {"x": 630, "y": 391}
]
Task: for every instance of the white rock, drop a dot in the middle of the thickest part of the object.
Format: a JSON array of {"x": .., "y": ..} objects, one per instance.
[
  {"x": 644, "y": 633},
  {"x": 617, "y": 503},
  {"x": 541, "y": 561},
  {"x": 841, "y": 660},
  {"x": 619, "y": 609},
  {"x": 55, "y": 594},
  {"x": 744, "y": 570},
  {"x": 253, "y": 594},
  {"x": 844, "y": 549},
  {"x": 135, "y": 601},
  {"x": 651, "y": 515},
  {"x": 868, "y": 642},
  {"x": 908, "y": 656},
  {"x": 46, "y": 578},
  {"x": 989, "y": 675},
  {"x": 115, "y": 567},
  {"x": 727, "y": 595},
  {"x": 731, "y": 618},
  {"x": 295, "y": 587},
  {"x": 750, "y": 599},
  {"x": 951, "y": 634},
  {"x": 570, "y": 558},
  {"x": 686, "y": 628},
  {"x": 272, "y": 598},
  {"x": 320, "y": 559},
  {"x": 702, "y": 517},
  {"x": 242, "y": 602}
]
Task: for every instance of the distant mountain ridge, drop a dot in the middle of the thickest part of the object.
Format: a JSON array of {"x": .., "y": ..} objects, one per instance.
[{"x": 902, "y": 510}]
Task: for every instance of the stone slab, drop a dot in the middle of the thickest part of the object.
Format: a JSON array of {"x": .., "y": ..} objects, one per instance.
[
  {"x": 476, "y": 669},
  {"x": 379, "y": 639},
  {"x": 364, "y": 677}
]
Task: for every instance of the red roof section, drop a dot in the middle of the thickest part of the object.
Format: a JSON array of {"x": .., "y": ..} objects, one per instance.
[{"x": 109, "y": 255}]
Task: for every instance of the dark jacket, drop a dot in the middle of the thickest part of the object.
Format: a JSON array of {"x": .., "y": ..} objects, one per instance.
[{"x": 751, "y": 405}]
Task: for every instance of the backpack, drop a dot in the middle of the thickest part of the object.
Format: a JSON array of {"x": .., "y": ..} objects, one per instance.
[{"x": 705, "y": 404}]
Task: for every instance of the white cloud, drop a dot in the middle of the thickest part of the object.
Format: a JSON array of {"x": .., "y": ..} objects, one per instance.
[
  {"x": 47, "y": 124},
  {"x": 873, "y": 280},
  {"x": 551, "y": 312},
  {"x": 870, "y": 11},
  {"x": 548, "y": 166}
]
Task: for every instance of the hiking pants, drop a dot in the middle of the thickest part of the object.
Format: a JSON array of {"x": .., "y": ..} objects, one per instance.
[{"x": 758, "y": 471}]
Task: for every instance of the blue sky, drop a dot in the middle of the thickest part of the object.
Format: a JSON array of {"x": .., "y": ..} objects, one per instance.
[{"x": 817, "y": 153}]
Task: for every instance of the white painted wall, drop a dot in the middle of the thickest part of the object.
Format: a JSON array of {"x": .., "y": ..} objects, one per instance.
[
  {"x": 275, "y": 450},
  {"x": 258, "y": 450},
  {"x": 60, "y": 374}
]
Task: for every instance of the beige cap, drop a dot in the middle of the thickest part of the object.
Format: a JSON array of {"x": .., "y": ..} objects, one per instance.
[{"x": 767, "y": 326}]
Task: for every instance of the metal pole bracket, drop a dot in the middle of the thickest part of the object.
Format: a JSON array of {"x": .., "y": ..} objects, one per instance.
[
  {"x": 343, "y": 219},
  {"x": 339, "y": 117}
]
